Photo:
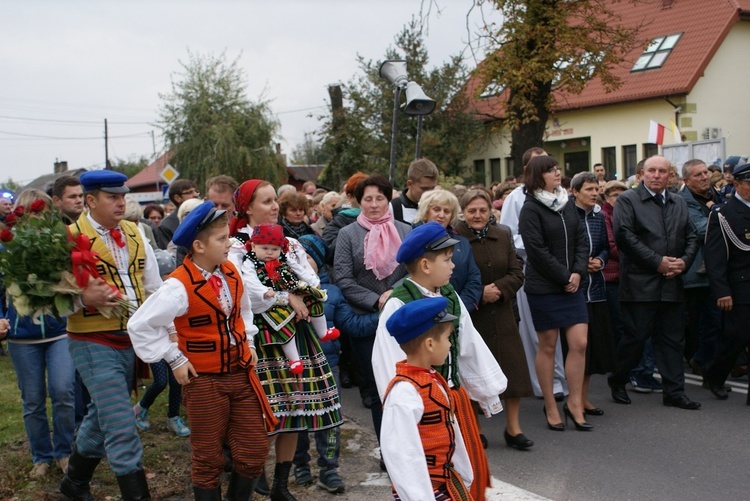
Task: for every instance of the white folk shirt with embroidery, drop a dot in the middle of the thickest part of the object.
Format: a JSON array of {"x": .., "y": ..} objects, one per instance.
[{"x": 121, "y": 256}]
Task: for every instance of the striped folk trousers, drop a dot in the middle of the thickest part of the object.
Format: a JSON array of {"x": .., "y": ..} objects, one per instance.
[{"x": 224, "y": 408}]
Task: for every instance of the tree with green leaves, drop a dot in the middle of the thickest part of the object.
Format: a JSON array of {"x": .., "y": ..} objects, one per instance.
[
  {"x": 546, "y": 46},
  {"x": 356, "y": 134},
  {"x": 214, "y": 128},
  {"x": 309, "y": 152},
  {"x": 132, "y": 166}
]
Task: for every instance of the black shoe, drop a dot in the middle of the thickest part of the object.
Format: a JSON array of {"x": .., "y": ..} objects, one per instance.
[
  {"x": 559, "y": 396},
  {"x": 696, "y": 367},
  {"x": 302, "y": 475},
  {"x": 483, "y": 439},
  {"x": 620, "y": 395},
  {"x": 584, "y": 426},
  {"x": 262, "y": 486},
  {"x": 519, "y": 442},
  {"x": 553, "y": 427},
  {"x": 681, "y": 402},
  {"x": 207, "y": 494},
  {"x": 329, "y": 480},
  {"x": 719, "y": 390},
  {"x": 134, "y": 486},
  {"x": 345, "y": 379},
  {"x": 240, "y": 488},
  {"x": 75, "y": 483},
  {"x": 596, "y": 411},
  {"x": 280, "y": 488},
  {"x": 367, "y": 402}
]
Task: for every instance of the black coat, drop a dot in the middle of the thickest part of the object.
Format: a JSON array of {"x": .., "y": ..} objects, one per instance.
[
  {"x": 729, "y": 267},
  {"x": 555, "y": 246},
  {"x": 646, "y": 232}
]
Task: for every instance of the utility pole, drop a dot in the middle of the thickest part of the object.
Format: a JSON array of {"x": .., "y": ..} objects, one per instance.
[
  {"x": 106, "y": 146},
  {"x": 153, "y": 143}
]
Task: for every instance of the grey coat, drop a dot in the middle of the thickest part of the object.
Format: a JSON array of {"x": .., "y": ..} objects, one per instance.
[
  {"x": 645, "y": 232},
  {"x": 360, "y": 287}
]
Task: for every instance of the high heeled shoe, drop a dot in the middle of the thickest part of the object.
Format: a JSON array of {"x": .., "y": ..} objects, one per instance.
[
  {"x": 553, "y": 427},
  {"x": 596, "y": 411},
  {"x": 579, "y": 426}
]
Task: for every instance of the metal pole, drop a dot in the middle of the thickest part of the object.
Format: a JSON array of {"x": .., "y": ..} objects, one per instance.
[
  {"x": 106, "y": 145},
  {"x": 394, "y": 128},
  {"x": 418, "y": 153}
]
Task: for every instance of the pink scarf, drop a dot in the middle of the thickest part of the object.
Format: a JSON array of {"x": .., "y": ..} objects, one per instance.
[{"x": 381, "y": 244}]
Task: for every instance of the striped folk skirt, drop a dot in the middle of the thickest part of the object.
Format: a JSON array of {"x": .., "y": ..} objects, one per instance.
[{"x": 308, "y": 401}]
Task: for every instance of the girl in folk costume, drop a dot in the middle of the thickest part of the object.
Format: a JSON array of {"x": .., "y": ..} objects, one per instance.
[
  {"x": 308, "y": 401},
  {"x": 274, "y": 274}
]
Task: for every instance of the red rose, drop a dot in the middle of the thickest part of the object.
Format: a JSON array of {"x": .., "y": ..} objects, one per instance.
[
  {"x": 6, "y": 235},
  {"x": 10, "y": 220},
  {"x": 38, "y": 205},
  {"x": 19, "y": 211}
]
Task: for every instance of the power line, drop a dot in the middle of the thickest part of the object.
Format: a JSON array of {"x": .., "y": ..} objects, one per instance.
[
  {"x": 98, "y": 138},
  {"x": 49, "y": 120}
]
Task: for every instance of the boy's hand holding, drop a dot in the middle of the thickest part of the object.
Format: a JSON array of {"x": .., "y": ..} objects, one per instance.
[{"x": 183, "y": 372}]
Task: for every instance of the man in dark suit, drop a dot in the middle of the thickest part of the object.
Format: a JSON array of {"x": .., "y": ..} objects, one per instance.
[
  {"x": 728, "y": 264},
  {"x": 657, "y": 244},
  {"x": 179, "y": 191}
]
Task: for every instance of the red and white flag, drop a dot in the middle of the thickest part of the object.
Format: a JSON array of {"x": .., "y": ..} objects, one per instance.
[{"x": 656, "y": 133}]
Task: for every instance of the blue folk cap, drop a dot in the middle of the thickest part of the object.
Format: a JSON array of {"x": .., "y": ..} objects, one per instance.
[
  {"x": 104, "y": 180},
  {"x": 416, "y": 317},
  {"x": 315, "y": 248},
  {"x": 427, "y": 237},
  {"x": 194, "y": 222},
  {"x": 742, "y": 172}
]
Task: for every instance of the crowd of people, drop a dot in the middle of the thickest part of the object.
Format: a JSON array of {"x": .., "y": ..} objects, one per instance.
[{"x": 255, "y": 304}]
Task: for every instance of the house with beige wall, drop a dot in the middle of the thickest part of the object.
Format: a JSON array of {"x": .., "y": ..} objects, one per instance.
[{"x": 693, "y": 73}]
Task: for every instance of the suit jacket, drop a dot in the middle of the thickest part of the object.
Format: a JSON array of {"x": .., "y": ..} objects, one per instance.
[
  {"x": 729, "y": 267},
  {"x": 645, "y": 232}
]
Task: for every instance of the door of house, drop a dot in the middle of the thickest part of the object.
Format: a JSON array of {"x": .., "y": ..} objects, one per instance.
[{"x": 576, "y": 162}]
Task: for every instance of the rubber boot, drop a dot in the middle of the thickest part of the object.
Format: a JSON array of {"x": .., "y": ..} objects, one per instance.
[
  {"x": 207, "y": 494},
  {"x": 261, "y": 487},
  {"x": 75, "y": 483},
  {"x": 134, "y": 486},
  {"x": 240, "y": 488},
  {"x": 280, "y": 489}
]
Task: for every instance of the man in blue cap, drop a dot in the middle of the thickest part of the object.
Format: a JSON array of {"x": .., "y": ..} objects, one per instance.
[
  {"x": 418, "y": 408},
  {"x": 470, "y": 369},
  {"x": 100, "y": 346},
  {"x": 727, "y": 254}
]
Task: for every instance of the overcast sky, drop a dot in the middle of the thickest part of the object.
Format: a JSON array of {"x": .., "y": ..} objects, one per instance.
[{"x": 65, "y": 66}]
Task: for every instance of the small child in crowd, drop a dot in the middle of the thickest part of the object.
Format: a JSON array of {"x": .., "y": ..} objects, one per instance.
[
  {"x": 423, "y": 449},
  {"x": 275, "y": 274},
  {"x": 205, "y": 300}
]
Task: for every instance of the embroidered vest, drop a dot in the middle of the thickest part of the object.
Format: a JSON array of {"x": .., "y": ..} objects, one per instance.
[
  {"x": 205, "y": 330},
  {"x": 84, "y": 321},
  {"x": 408, "y": 292},
  {"x": 436, "y": 425}
]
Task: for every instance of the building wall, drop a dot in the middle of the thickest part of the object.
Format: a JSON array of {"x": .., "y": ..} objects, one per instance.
[{"x": 716, "y": 101}]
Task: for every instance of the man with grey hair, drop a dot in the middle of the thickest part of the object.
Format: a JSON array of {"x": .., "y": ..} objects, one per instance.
[
  {"x": 704, "y": 317},
  {"x": 657, "y": 245}
]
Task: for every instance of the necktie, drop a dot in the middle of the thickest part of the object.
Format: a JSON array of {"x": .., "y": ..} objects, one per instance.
[
  {"x": 117, "y": 237},
  {"x": 215, "y": 283},
  {"x": 660, "y": 198}
]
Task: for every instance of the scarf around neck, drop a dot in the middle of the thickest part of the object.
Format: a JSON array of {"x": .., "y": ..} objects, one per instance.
[
  {"x": 480, "y": 234},
  {"x": 555, "y": 201},
  {"x": 381, "y": 244}
]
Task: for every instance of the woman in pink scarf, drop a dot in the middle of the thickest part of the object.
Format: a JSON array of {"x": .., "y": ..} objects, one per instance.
[{"x": 365, "y": 269}]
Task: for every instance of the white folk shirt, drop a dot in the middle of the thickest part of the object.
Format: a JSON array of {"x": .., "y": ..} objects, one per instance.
[
  {"x": 148, "y": 327},
  {"x": 402, "y": 448},
  {"x": 478, "y": 371}
]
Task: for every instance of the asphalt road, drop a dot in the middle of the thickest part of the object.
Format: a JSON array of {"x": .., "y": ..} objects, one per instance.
[{"x": 636, "y": 452}]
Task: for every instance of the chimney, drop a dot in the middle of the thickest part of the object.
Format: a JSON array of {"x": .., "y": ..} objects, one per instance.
[{"x": 61, "y": 167}]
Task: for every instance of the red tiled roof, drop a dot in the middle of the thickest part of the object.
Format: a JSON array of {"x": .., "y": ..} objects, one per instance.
[
  {"x": 151, "y": 174},
  {"x": 704, "y": 24}
]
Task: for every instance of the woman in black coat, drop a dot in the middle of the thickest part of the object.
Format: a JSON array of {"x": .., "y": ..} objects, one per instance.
[{"x": 557, "y": 259}]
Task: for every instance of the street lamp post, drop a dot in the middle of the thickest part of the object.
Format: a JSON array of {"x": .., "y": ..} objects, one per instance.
[{"x": 417, "y": 103}]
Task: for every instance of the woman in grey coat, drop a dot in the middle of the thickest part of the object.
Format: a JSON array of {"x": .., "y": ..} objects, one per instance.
[{"x": 365, "y": 269}]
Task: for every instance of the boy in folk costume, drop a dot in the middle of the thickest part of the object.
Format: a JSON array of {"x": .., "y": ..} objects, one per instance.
[
  {"x": 471, "y": 371},
  {"x": 213, "y": 357},
  {"x": 275, "y": 274},
  {"x": 423, "y": 449}
]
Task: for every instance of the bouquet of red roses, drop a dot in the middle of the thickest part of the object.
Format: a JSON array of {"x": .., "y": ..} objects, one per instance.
[{"x": 41, "y": 266}]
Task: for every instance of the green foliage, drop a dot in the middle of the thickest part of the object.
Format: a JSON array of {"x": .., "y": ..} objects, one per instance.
[
  {"x": 549, "y": 45},
  {"x": 358, "y": 136},
  {"x": 10, "y": 185},
  {"x": 214, "y": 128},
  {"x": 309, "y": 152},
  {"x": 130, "y": 167}
]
